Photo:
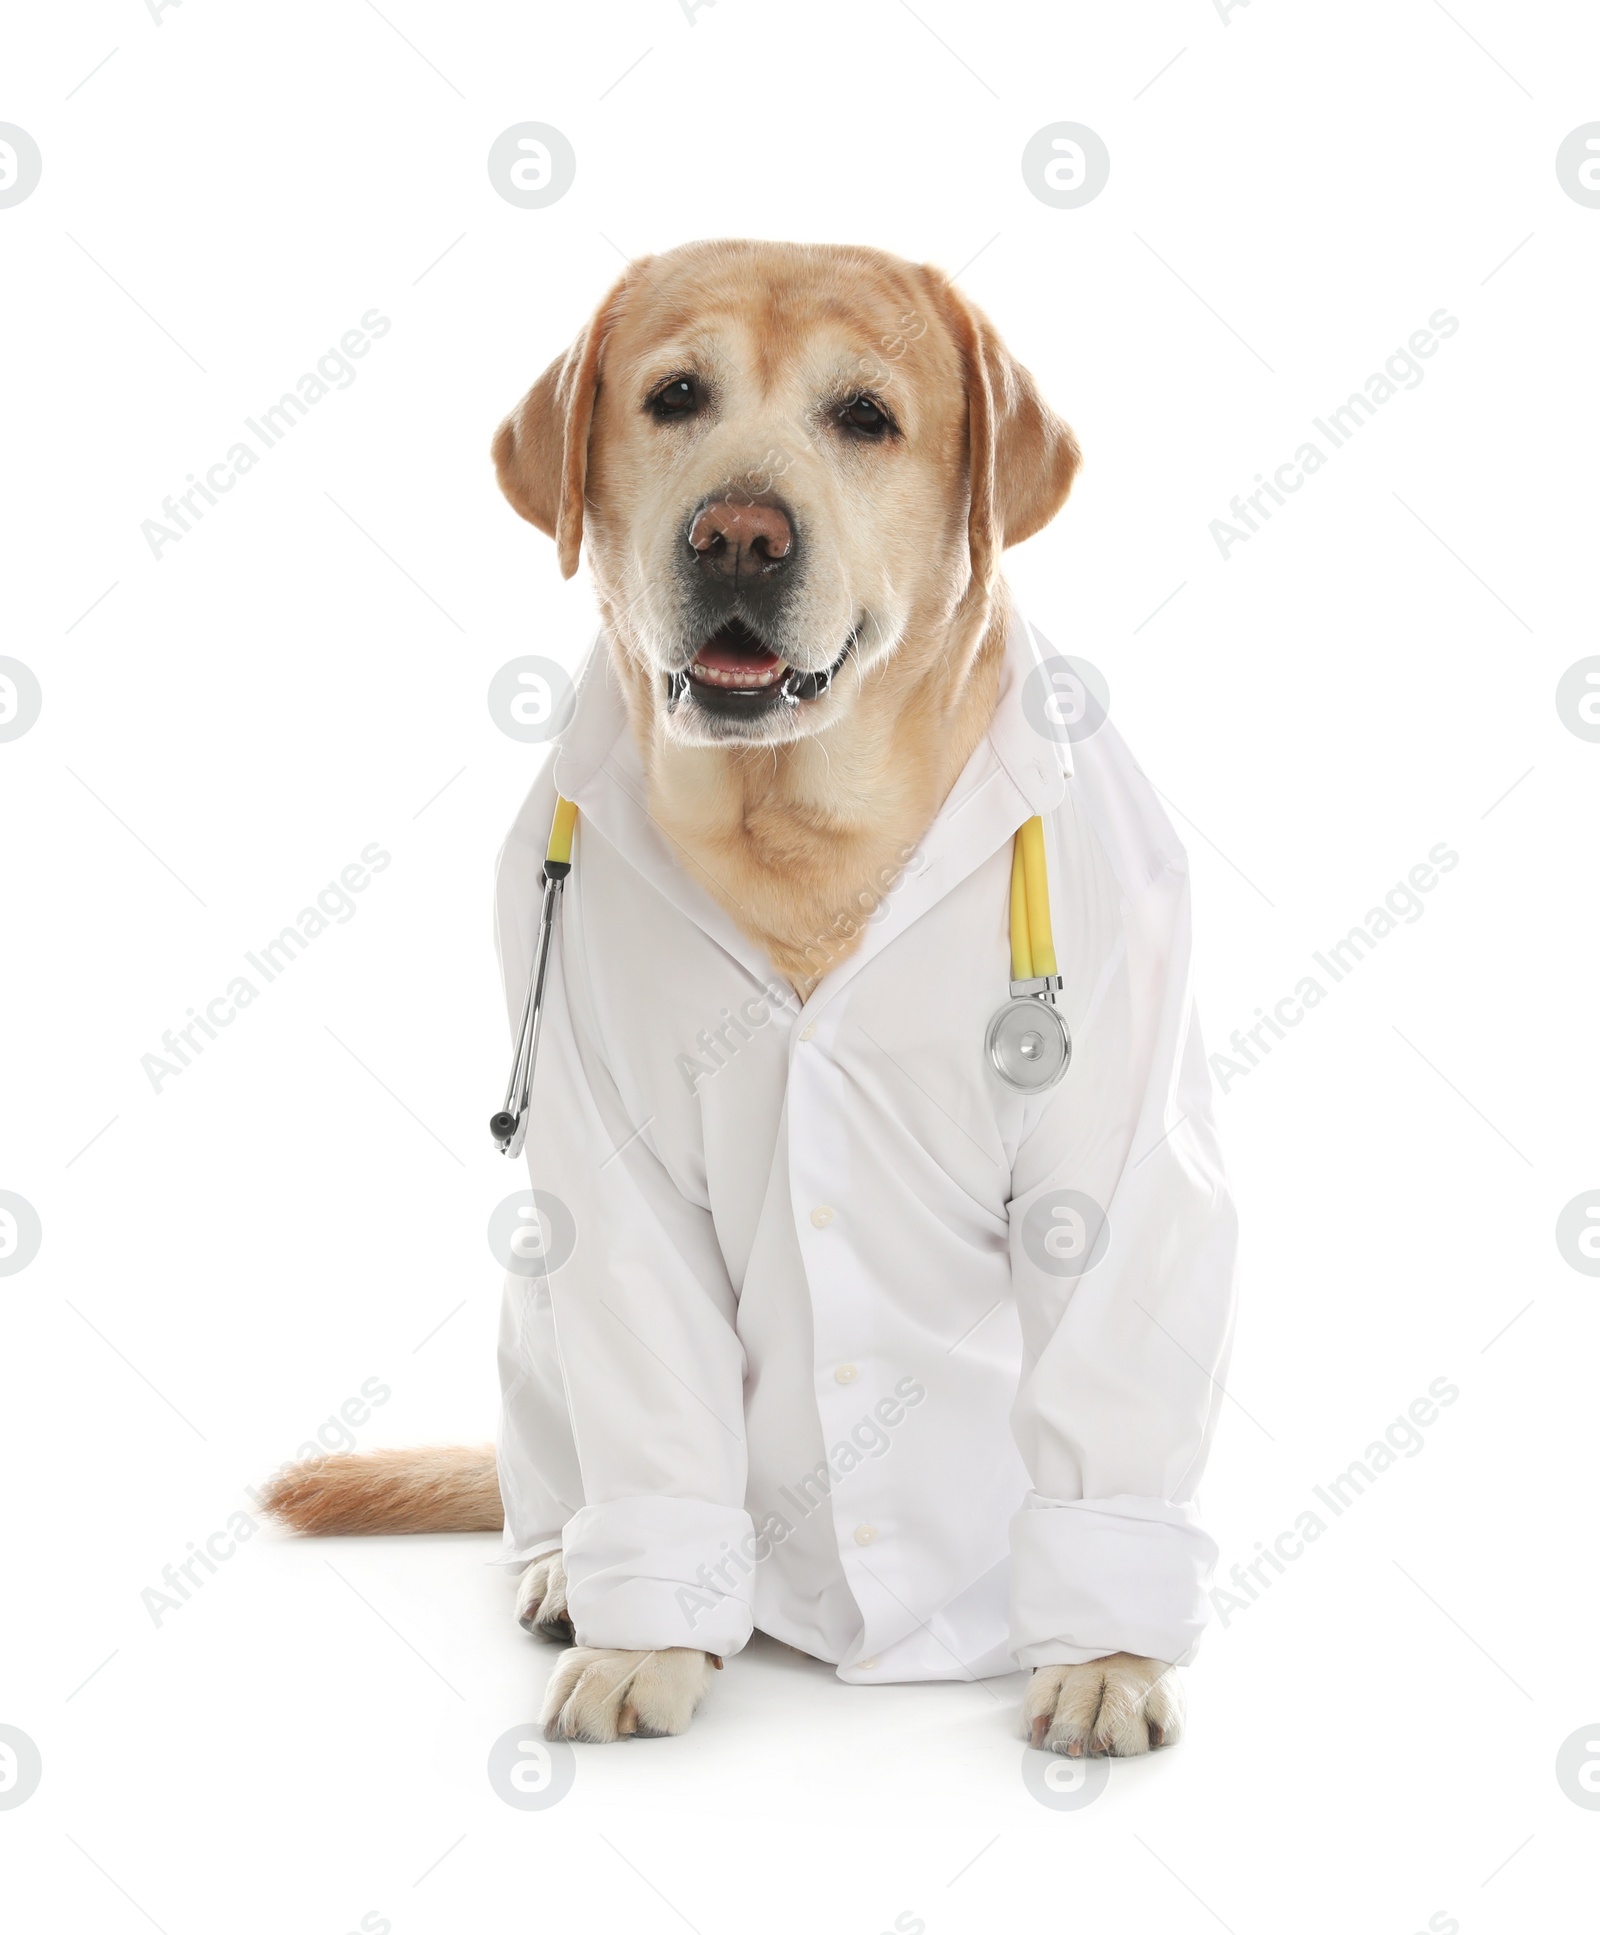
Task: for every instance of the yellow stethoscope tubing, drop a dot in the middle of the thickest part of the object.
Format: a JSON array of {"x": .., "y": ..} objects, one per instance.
[
  {"x": 559, "y": 851},
  {"x": 1033, "y": 948}
]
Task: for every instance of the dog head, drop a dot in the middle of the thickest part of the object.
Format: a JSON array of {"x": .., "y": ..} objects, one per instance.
[{"x": 793, "y": 467}]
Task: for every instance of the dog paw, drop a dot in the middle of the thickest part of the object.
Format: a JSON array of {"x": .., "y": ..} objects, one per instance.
[
  {"x": 542, "y": 1600},
  {"x": 599, "y": 1693},
  {"x": 1119, "y": 1705}
]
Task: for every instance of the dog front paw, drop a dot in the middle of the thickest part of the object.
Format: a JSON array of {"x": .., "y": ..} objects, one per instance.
[
  {"x": 601, "y": 1693},
  {"x": 542, "y": 1600},
  {"x": 1118, "y": 1705}
]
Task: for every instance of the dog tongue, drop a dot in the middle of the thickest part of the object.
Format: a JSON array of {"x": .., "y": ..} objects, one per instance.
[{"x": 723, "y": 654}]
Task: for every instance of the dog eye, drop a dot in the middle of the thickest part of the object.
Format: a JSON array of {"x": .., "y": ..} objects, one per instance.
[
  {"x": 678, "y": 398},
  {"x": 865, "y": 417}
]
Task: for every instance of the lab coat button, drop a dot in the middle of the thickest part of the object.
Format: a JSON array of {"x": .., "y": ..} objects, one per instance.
[
  {"x": 822, "y": 1216},
  {"x": 865, "y": 1534},
  {"x": 808, "y": 1031},
  {"x": 867, "y": 1666},
  {"x": 845, "y": 1374}
]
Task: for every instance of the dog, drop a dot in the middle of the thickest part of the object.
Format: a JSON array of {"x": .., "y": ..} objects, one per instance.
[{"x": 794, "y": 470}]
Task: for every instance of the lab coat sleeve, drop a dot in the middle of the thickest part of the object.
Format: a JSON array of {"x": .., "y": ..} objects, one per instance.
[
  {"x": 1125, "y": 1291},
  {"x": 635, "y": 1330}
]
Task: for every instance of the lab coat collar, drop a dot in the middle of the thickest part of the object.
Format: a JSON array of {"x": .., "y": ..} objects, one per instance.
[{"x": 1014, "y": 773}]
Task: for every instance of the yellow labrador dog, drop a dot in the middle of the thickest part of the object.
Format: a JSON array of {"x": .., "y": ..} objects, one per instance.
[{"x": 794, "y": 470}]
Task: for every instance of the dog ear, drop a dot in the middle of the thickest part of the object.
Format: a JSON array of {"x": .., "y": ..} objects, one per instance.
[
  {"x": 1021, "y": 457},
  {"x": 541, "y": 451}
]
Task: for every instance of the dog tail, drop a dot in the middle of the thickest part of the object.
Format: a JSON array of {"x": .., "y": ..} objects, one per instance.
[{"x": 440, "y": 1488}]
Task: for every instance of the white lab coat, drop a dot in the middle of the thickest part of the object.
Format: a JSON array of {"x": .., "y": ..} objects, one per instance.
[{"x": 806, "y": 1368}]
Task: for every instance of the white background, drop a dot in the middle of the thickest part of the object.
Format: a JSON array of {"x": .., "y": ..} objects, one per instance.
[{"x": 1373, "y": 1740}]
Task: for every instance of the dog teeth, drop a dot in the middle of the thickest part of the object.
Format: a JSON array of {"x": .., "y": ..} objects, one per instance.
[{"x": 742, "y": 681}]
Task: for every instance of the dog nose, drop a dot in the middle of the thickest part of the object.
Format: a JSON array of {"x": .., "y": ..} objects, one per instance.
[{"x": 750, "y": 538}]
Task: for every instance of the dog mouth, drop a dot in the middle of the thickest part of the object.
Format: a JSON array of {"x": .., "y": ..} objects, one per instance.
[
  {"x": 734, "y": 659},
  {"x": 735, "y": 672}
]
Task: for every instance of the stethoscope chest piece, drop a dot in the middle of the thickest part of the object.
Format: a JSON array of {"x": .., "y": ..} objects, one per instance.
[{"x": 1029, "y": 1043}]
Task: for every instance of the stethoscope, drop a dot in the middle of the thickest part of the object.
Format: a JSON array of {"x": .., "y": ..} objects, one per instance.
[
  {"x": 509, "y": 1124},
  {"x": 1028, "y": 1041}
]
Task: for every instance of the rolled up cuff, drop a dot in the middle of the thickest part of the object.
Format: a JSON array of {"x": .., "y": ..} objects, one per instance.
[
  {"x": 644, "y": 1573},
  {"x": 1108, "y": 1575}
]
